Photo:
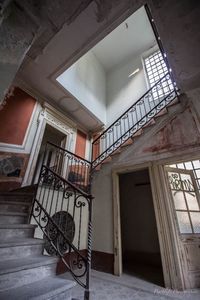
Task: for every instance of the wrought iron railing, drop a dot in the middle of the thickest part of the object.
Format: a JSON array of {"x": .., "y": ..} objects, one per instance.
[
  {"x": 133, "y": 119},
  {"x": 62, "y": 212},
  {"x": 68, "y": 165}
]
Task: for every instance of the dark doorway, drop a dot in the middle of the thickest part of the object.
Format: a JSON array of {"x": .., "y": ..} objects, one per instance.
[
  {"x": 54, "y": 136},
  {"x": 140, "y": 246}
]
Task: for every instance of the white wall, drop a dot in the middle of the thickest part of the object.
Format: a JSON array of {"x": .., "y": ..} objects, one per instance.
[
  {"x": 86, "y": 81},
  {"x": 122, "y": 90},
  {"x": 106, "y": 95}
]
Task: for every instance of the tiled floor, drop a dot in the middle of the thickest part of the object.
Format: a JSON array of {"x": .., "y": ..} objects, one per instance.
[{"x": 128, "y": 287}]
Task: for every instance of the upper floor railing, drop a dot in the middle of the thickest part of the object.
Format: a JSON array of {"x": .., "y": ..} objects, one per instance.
[
  {"x": 68, "y": 165},
  {"x": 133, "y": 119}
]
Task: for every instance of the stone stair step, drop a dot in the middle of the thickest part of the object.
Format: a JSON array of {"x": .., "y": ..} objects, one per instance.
[
  {"x": 161, "y": 113},
  {"x": 175, "y": 101},
  {"x": 51, "y": 288},
  {"x": 10, "y": 206},
  {"x": 21, "y": 248},
  {"x": 150, "y": 123},
  {"x": 18, "y": 272},
  {"x": 107, "y": 160},
  {"x": 138, "y": 133},
  {"x": 16, "y": 197},
  {"x": 13, "y": 217},
  {"x": 117, "y": 151},
  {"x": 127, "y": 143},
  {"x": 10, "y": 231}
]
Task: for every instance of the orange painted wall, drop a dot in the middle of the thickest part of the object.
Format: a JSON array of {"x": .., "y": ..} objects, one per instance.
[
  {"x": 80, "y": 143},
  {"x": 15, "y": 117}
]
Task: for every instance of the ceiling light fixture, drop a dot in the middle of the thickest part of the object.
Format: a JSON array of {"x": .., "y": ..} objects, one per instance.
[{"x": 134, "y": 72}]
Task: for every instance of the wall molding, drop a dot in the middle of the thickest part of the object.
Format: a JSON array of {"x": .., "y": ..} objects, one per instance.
[
  {"x": 25, "y": 147},
  {"x": 49, "y": 115}
]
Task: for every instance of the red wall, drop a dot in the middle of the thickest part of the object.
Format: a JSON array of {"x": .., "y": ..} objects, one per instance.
[
  {"x": 80, "y": 143},
  {"x": 15, "y": 117}
]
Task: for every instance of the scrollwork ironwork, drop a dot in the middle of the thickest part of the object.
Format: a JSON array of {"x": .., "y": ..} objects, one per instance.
[{"x": 60, "y": 210}]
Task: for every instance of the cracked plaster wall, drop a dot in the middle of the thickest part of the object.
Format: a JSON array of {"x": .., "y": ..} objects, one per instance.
[{"x": 178, "y": 136}]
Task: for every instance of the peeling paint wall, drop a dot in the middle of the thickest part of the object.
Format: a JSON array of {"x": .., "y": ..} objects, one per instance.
[
  {"x": 180, "y": 132},
  {"x": 16, "y": 133},
  {"x": 172, "y": 135}
]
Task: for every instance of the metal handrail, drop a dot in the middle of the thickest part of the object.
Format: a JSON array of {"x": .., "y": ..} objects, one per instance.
[
  {"x": 124, "y": 113},
  {"x": 65, "y": 150},
  {"x": 137, "y": 115}
]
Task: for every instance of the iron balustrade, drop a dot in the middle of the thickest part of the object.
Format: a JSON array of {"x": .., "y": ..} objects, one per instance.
[
  {"x": 133, "y": 119},
  {"x": 63, "y": 212},
  {"x": 68, "y": 165}
]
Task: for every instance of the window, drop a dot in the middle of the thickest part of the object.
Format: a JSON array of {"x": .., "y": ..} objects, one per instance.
[
  {"x": 156, "y": 68},
  {"x": 193, "y": 165},
  {"x": 184, "y": 180}
]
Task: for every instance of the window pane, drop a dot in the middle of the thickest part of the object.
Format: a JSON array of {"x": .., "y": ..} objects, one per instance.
[
  {"x": 174, "y": 181},
  {"x": 179, "y": 200},
  {"x": 198, "y": 173},
  {"x": 155, "y": 65},
  {"x": 196, "y": 164},
  {"x": 192, "y": 201},
  {"x": 187, "y": 183},
  {"x": 188, "y": 165},
  {"x": 181, "y": 166},
  {"x": 184, "y": 222},
  {"x": 195, "y": 217}
]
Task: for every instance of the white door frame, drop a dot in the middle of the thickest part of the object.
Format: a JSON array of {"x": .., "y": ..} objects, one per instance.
[
  {"x": 168, "y": 240},
  {"x": 52, "y": 117}
]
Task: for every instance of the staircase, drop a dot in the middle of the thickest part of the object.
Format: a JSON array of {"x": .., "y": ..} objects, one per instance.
[{"x": 25, "y": 273}]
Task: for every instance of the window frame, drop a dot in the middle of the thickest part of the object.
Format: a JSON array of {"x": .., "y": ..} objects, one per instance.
[
  {"x": 169, "y": 168},
  {"x": 156, "y": 95}
]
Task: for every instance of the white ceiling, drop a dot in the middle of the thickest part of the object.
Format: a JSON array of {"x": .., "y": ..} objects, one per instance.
[
  {"x": 38, "y": 75},
  {"x": 131, "y": 37}
]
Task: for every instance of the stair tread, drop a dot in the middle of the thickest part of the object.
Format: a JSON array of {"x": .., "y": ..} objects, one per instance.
[
  {"x": 16, "y": 197},
  {"x": 21, "y": 242},
  {"x": 14, "y": 265},
  {"x": 13, "y": 213},
  {"x": 15, "y": 194},
  {"x": 15, "y": 202},
  {"x": 17, "y": 226},
  {"x": 40, "y": 290}
]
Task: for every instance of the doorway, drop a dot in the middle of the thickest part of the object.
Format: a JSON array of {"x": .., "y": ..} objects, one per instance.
[
  {"x": 139, "y": 237},
  {"x": 54, "y": 136}
]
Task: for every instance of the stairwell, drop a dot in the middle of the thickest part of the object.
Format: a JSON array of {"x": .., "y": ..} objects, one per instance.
[
  {"x": 64, "y": 186},
  {"x": 25, "y": 272}
]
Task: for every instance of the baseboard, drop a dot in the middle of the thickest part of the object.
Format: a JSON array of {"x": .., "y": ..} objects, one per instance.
[{"x": 101, "y": 261}]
